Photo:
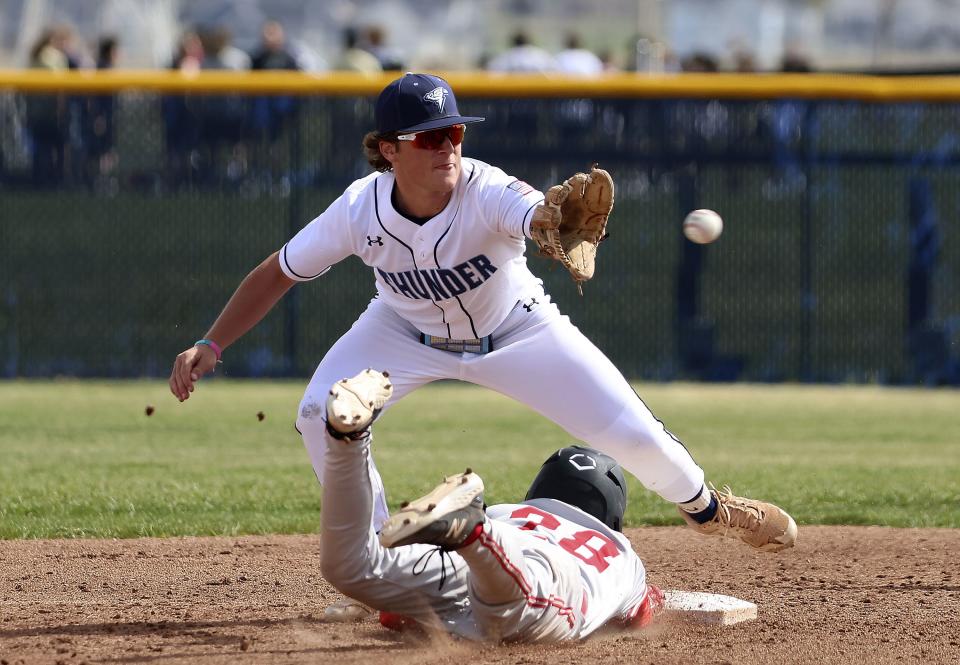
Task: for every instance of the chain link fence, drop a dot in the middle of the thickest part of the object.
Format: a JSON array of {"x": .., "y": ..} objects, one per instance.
[{"x": 128, "y": 219}]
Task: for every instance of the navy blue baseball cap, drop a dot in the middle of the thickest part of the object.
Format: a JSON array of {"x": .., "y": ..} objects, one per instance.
[{"x": 417, "y": 102}]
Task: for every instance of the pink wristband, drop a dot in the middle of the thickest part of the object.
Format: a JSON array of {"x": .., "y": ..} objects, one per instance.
[{"x": 213, "y": 345}]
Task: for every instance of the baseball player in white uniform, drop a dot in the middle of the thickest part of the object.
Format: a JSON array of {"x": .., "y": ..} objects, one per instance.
[
  {"x": 554, "y": 567},
  {"x": 444, "y": 237}
]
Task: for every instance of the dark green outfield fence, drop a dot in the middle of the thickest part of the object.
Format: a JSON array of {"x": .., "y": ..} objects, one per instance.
[{"x": 840, "y": 260}]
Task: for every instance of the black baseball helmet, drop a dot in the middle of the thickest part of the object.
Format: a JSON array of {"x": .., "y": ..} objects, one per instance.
[{"x": 586, "y": 478}]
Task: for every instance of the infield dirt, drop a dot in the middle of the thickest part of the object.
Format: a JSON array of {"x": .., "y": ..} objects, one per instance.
[{"x": 843, "y": 595}]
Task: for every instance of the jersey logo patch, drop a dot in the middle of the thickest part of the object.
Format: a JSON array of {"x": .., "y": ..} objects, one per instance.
[
  {"x": 371, "y": 240},
  {"x": 438, "y": 96},
  {"x": 520, "y": 187}
]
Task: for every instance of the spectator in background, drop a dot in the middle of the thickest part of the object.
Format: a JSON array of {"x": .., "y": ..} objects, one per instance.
[
  {"x": 190, "y": 55},
  {"x": 46, "y": 55},
  {"x": 355, "y": 58},
  {"x": 577, "y": 115},
  {"x": 575, "y": 59},
  {"x": 224, "y": 119},
  {"x": 220, "y": 53},
  {"x": 795, "y": 62},
  {"x": 108, "y": 50},
  {"x": 273, "y": 53},
  {"x": 608, "y": 61},
  {"x": 700, "y": 62},
  {"x": 46, "y": 116},
  {"x": 64, "y": 39},
  {"x": 523, "y": 115},
  {"x": 270, "y": 115},
  {"x": 744, "y": 62},
  {"x": 647, "y": 54},
  {"x": 100, "y": 112},
  {"x": 376, "y": 44},
  {"x": 181, "y": 121},
  {"x": 786, "y": 121},
  {"x": 523, "y": 56},
  {"x": 483, "y": 61},
  {"x": 742, "y": 58}
]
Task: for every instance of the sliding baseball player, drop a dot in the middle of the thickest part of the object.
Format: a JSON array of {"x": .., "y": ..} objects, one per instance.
[{"x": 555, "y": 567}]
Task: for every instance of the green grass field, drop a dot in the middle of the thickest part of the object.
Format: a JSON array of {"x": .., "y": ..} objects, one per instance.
[{"x": 81, "y": 459}]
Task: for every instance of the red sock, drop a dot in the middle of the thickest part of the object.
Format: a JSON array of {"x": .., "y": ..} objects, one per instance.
[{"x": 477, "y": 530}]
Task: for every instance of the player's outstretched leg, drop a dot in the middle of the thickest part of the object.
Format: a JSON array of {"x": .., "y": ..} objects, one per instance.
[
  {"x": 449, "y": 516},
  {"x": 761, "y": 525},
  {"x": 354, "y": 403}
]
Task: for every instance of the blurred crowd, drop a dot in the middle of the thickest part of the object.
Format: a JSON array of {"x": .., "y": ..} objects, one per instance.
[
  {"x": 367, "y": 49},
  {"x": 72, "y": 138}
]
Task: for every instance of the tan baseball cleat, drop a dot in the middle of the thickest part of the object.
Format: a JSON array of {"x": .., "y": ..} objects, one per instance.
[
  {"x": 445, "y": 517},
  {"x": 758, "y": 524},
  {"x": 353, "y": 403}
]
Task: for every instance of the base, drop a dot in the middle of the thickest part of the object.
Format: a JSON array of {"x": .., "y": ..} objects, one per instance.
[{"x": 708, "y": 608}]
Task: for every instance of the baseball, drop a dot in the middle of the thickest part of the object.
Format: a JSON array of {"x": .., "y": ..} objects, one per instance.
[{"x": 702, "y": 226}]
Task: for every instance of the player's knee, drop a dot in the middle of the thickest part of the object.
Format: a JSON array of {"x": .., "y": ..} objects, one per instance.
[{"x": 311, "y": 416}]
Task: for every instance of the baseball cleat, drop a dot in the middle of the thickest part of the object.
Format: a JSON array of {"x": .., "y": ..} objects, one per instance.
[
  {"x": 760, "y": 525},
  {"x": 353, "y": 403},
  {"x": 446, "y": 517}
]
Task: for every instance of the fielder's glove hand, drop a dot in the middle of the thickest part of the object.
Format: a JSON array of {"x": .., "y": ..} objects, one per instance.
[{"x": 569, "y": 225}]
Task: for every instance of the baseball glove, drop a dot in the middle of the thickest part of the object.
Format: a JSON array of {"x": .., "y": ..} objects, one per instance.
[{"x": 572, "y": 220}]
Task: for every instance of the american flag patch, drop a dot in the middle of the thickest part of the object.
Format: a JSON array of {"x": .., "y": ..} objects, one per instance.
[{"x": 520, "y": 187}]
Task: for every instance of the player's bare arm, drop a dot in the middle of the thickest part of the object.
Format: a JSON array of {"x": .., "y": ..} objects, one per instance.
[{"x": 256, "y": 295}]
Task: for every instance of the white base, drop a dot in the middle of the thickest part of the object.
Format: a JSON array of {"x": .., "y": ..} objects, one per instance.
[{"x": 709, "y": 608}]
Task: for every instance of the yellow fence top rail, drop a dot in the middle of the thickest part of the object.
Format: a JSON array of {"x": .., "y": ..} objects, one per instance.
[{"x": 484, "y": 84}]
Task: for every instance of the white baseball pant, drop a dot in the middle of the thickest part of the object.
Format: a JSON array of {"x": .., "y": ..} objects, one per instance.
[{"x": 540, "y": 359}]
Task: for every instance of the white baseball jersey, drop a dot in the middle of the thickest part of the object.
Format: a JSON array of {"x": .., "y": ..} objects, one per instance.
[
  {"x": 613, "y": 576},
  {"x": 457, "y": 276},
  {"x": 539, "y": 571}
]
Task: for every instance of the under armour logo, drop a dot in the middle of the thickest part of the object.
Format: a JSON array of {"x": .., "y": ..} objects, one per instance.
[
  {"x": 438, "y": 96},
  {"x": 371, "y": 240},
  {"x": 529, "y": 306},
  {"x": 584, "y": 464}
]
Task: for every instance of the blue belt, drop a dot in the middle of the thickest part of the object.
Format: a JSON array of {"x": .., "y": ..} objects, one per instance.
[{"x": 481, "y": 345}]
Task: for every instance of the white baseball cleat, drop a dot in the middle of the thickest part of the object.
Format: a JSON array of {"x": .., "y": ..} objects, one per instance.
[{"x": 353, "y": 403}]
